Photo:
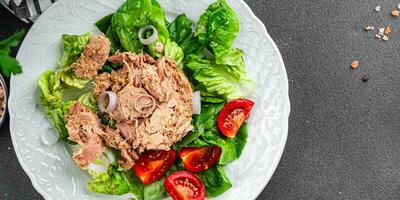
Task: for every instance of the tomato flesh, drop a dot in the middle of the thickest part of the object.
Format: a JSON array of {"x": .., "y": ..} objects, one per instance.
[
  {"x": 233, "y": 115},
  {"x": 199, "y": 159},
  {"x": 152, "y": 165},
  {"x": 183, "y": 185}
]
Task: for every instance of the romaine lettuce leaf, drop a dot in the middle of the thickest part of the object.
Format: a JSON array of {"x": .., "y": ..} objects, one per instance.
[
  {"x": 104, "y": 23},
  {"x": 113, "y": 182},
  {"x": 135, "y": 14},
  {"x": 50, "y": 97},
  {"x": 218, "y": 27},
  {"x": 53, "y": 105},
  {"x": 73, "y": 46},
  {"x": 215, "y": 181},
  {"x": 57, "y": 116},
  {"x": 89, "y": 100},
  {"x": 118, "y": 182},
  {"x": 173, "y": 51},
  {"x": 54, "y": 86},
  {"x": 205, "y": 121},
  {"x": 220, "y": 80},
  {"x": 180, "y": 31}
]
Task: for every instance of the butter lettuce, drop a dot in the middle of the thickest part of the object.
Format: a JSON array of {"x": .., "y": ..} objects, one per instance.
[
  {"x": 56, "y": 86},
  {"x": 173, "y": 51},
  {"x": 114, "y": 182},
  {"x": 117, "y": 182},
  {"x": 220, "y": 80},
  {"x": 57, "y": 116},
  {"x": 218, "y": 27},
  {"x": 133, "y": 15}
]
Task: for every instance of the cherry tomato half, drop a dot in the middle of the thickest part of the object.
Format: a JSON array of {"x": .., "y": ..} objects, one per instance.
[
  {"x": 199, "y": 159},
  {"x": 233, "y": 115},
  {"x": 152, "y": 165},
  {"x": 183, "y": 185}
]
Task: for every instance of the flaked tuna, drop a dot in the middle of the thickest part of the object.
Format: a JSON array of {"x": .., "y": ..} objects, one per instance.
[{"x": 93, "y": 57}]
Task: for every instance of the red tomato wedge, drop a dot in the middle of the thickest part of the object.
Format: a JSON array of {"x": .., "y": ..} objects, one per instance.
[
  {"x": 152, "y": 165},
  {"x": 199, "y": 159},
  {"x": 183, "y": 185},
  {"x": 233, "y": 115}
]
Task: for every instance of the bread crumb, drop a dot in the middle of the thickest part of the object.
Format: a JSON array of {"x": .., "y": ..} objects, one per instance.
[
  {"x": 395, "y": 13},
  {"x": 378, "y": 8},
  {"x": 385, "y": 37},
  {"x": 354, "y": 64},
  {"x": 378, "y": 36}
]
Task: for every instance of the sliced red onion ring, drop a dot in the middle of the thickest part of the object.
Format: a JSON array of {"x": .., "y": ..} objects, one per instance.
[
  {"x": 152, "y": 38},
  {"x": 112, "y": 101},
  {"x": 196, "y": 103}
]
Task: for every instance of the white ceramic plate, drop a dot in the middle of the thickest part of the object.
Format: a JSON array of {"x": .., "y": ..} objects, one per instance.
[{"x": 51, "y": 169}]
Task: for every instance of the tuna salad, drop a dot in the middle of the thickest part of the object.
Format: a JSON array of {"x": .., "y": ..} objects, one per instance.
[{"x": 152, "y": 105}]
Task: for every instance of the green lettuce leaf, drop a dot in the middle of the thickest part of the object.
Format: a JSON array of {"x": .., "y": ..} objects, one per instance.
[
  {"x": 50, "y": 97},
  {"x": 135, "y": 14},
  {"x": 57, "y": 116},
  {"x": 173, "y": 51},
  {"x": 51, "y": 101},
  {"x": 180, "y": 31},
  {"x": 155, "y": 191},
  {"x": 232, "y": 148},
  {"x": 113, "y": 182},
  {"x": 215, "y": 181},
  {"x": 118, "y": 182},
  {"x": 205, "y": 121},
  {"x": 104, "y": 23},
  {"x": 220, "y": 80},
  {"x": 89, "y": 100},
  {"x": 218, "y": 27},
  {"x": 73, "y": 47},
  {"x": 59, "y": 88},
  {"x": 113, "y": 37}
]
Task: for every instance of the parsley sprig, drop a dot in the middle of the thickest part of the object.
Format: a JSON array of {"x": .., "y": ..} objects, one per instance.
[{"x": 8, "y": 64}]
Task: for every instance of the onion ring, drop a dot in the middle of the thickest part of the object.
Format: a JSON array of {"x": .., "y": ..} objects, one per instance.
[
  {"x": 152, "y": 38},
  {"x": 112, "y": 101}
]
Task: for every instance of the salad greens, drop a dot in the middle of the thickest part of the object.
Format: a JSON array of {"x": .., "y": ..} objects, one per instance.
[
  {"x": 220, "y": 76},
  {"x": 113, "y": 182},
  {"x": 215, "y": 181},
  {"x": 218, "y": 27},
  {"x": 227, "y": 80},
  {"x": 57, "y": 87},
  {"x": 133, "y": 15}
]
